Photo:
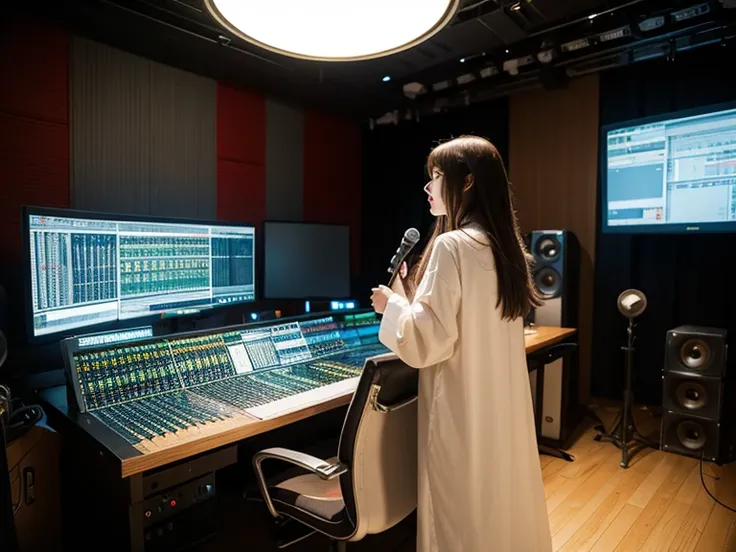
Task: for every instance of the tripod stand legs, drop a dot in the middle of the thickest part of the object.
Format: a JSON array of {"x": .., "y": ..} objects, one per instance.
[
  {"x": 625, "y": 437},
  {"x": 625, "y": 431}
]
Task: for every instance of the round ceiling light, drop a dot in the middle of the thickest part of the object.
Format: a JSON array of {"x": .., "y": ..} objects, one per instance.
[{"x": 334, "y": 30}]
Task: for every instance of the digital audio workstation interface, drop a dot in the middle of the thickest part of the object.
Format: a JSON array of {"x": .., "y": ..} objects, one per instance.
[
  {"x": 183, "y": 384},
  {"x": 89, "y": 271},
  {"x": 680, "y": 171}
]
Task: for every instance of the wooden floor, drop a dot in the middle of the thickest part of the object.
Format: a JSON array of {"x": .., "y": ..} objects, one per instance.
[{"x": 657, "y": 504}]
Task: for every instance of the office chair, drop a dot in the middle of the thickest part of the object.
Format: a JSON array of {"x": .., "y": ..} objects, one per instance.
[{"x": 372, "y": 483}]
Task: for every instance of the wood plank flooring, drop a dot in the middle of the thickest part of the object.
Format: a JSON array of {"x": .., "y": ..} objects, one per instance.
[{"x": 658, "y": 504}]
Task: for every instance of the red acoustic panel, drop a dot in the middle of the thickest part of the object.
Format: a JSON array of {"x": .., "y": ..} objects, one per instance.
[
  {"x": 241, "y": 192},
  {"x": 332, "y": 175},
  {"x": 34, "y": 123},
  {"x": 34, "y": 71},
  {"x": 241, "y": 125}
]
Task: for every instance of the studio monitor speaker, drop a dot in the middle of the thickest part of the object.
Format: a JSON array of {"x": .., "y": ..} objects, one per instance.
[
  {"x": 556, "y": 273},
  {"x": 694, "y": 393}
]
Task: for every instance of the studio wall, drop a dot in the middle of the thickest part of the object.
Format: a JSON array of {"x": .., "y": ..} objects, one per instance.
[
  {"x": 34, "y": 126},
  {"x": 143, "y": 135},
  {"x": 688, "y": 279},
  {"x": 394, "y": 176},
  {"x": 553, "y": 158},
  {"x": 87, "y": 126}
]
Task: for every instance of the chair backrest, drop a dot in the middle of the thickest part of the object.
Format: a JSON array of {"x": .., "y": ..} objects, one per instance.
[{"x": 379, "y": 445}]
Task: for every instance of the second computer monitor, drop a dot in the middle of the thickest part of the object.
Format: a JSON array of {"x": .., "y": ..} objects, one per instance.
[
  {"x": 306, "y": 261},
  {"x": 86, "y": 269}
]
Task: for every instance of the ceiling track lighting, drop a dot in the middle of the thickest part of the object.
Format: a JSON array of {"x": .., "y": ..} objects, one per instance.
[{"x": 324, "y": 30}]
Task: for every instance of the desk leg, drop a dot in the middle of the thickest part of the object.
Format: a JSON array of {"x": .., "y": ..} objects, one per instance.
[{"x": 544, "y": 449}]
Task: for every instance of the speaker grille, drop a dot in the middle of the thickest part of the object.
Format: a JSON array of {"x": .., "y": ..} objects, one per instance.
[
  {"x": 696, "y": 350},
  {"x": 548, "y": 281}
]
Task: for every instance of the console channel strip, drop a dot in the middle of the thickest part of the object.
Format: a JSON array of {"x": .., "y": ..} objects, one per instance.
[
  {"x": 290, "y": 343},
  {"x": 166, "y": 420},
  {"x": 322, "y": 336},
  {"x": 164, "y": 391},
  {"x": 260, "y": 348},
  {"x": 118, "y": 374},
  {"x": 201, "y": 359}
]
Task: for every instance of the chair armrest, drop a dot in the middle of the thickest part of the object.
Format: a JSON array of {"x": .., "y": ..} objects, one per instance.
[{"x": 323, "y": 469}]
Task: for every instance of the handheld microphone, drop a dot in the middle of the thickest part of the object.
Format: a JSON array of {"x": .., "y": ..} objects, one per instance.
[{"x": 408, "y": 241}]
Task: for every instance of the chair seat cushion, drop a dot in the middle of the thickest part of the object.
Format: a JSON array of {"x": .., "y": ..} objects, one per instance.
[{"x": 314, "y": 502}]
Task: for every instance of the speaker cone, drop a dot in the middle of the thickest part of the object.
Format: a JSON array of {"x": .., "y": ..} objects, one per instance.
[
  {"x": 695, "y": 354},
  {"x": 548, "y": 248},
  {"x": 692, "y": 395},
  {"x": 548, "y": 281},
  {"x": 691, "y": 435}
]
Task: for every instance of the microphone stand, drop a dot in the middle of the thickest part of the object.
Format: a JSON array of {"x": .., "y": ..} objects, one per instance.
[{"x": 625, "y": 431}]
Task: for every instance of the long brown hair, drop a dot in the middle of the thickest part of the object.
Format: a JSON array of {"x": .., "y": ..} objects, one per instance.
[{"x": 477, "y": 190}]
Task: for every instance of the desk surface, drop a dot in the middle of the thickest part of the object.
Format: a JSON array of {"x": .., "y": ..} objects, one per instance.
[{"x": 169, "y": 449}]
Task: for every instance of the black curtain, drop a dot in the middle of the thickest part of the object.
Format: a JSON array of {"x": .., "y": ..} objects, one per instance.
[
  {"x": 687, "y": 278},
  {"x": 394, "y": 176}
]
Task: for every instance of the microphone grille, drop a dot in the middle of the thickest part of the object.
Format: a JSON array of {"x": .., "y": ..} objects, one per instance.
[{"x": 412, "y": 235}]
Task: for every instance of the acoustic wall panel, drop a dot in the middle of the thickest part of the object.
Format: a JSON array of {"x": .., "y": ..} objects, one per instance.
[
  {"x": 34, "y": 125},
  {"x": 241, "y": 155},
  {"x": 332, "y": 175},
  {"x": 284, "y": 162},
  {"x": 143, "y": 135}
]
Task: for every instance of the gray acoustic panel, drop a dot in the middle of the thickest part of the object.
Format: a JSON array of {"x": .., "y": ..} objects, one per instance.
[
  {"x": 143, "y": 135},
  {"x": 284, "y": 162}
]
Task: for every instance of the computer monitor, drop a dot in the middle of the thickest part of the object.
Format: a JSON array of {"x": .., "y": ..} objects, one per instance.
[
  {"x": 671, "y": 173},
  {"x": 85, "y": 269},
  {"x": 306, "y": 261}
]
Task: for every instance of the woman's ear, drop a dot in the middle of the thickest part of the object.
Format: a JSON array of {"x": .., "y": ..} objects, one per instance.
[{"x": 469, "y": 181}]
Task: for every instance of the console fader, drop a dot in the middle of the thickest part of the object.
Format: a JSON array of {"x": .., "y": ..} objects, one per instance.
[{"x": 160, "y": 392}]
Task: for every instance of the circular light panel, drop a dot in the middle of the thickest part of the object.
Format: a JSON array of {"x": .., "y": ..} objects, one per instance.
[{"x": 334, "y": 30}]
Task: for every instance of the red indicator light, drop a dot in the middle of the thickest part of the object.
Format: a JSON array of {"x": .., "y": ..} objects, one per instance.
[{"x": 172, "y": 503}]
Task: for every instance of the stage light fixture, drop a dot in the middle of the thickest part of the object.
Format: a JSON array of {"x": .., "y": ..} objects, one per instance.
[{"x": 327, "y": 30}]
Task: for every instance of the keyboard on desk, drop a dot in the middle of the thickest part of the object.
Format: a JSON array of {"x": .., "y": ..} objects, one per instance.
[{"x": 161, "y": 392}]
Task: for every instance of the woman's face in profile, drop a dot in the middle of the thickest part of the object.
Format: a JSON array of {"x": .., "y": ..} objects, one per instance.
[{"x": 434, "y": 189}]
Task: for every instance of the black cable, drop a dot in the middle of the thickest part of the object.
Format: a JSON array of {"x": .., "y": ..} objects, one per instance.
[{"x": 702, "y": 480}]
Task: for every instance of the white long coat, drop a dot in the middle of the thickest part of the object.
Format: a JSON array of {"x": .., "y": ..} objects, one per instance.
[{"x": 480, "y": 480}]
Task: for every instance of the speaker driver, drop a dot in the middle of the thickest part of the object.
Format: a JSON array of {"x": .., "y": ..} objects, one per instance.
[
  {"x": 695, "y": 354},
  {"x": 548, "y": 248},
  {"x": 691, "y": 435},
  {"x": 692, "y": 395},
  {"x": 548, "y": 281}
]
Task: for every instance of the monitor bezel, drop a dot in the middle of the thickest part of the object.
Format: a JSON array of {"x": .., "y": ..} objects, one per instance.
[
  {"x": 29, "y": 210},
  {"x": 663, "y": 229},
  {"x": 264, "y": 258}
]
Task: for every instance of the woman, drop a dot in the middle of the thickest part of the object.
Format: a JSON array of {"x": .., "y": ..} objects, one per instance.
[{"x": 480, "y": 480}]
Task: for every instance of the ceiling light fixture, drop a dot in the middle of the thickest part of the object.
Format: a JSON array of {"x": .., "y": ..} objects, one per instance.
[{"x": 333, "y": 30}]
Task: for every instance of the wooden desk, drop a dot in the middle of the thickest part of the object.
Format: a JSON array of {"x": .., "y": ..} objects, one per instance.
[
  {"x": 546, "y": 336},
  {"x": 127, "y": 483},
  {"x": 167, "y": 450}
]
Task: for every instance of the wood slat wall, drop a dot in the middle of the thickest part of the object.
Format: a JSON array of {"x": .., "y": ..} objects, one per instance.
[{"x": 553, "y": 161}]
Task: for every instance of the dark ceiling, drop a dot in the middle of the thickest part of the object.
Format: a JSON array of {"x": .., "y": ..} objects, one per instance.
[{"x": 484, "y": 33}]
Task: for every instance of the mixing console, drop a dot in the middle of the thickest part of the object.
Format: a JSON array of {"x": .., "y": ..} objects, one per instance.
[{"x": 158, "y": 392}]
